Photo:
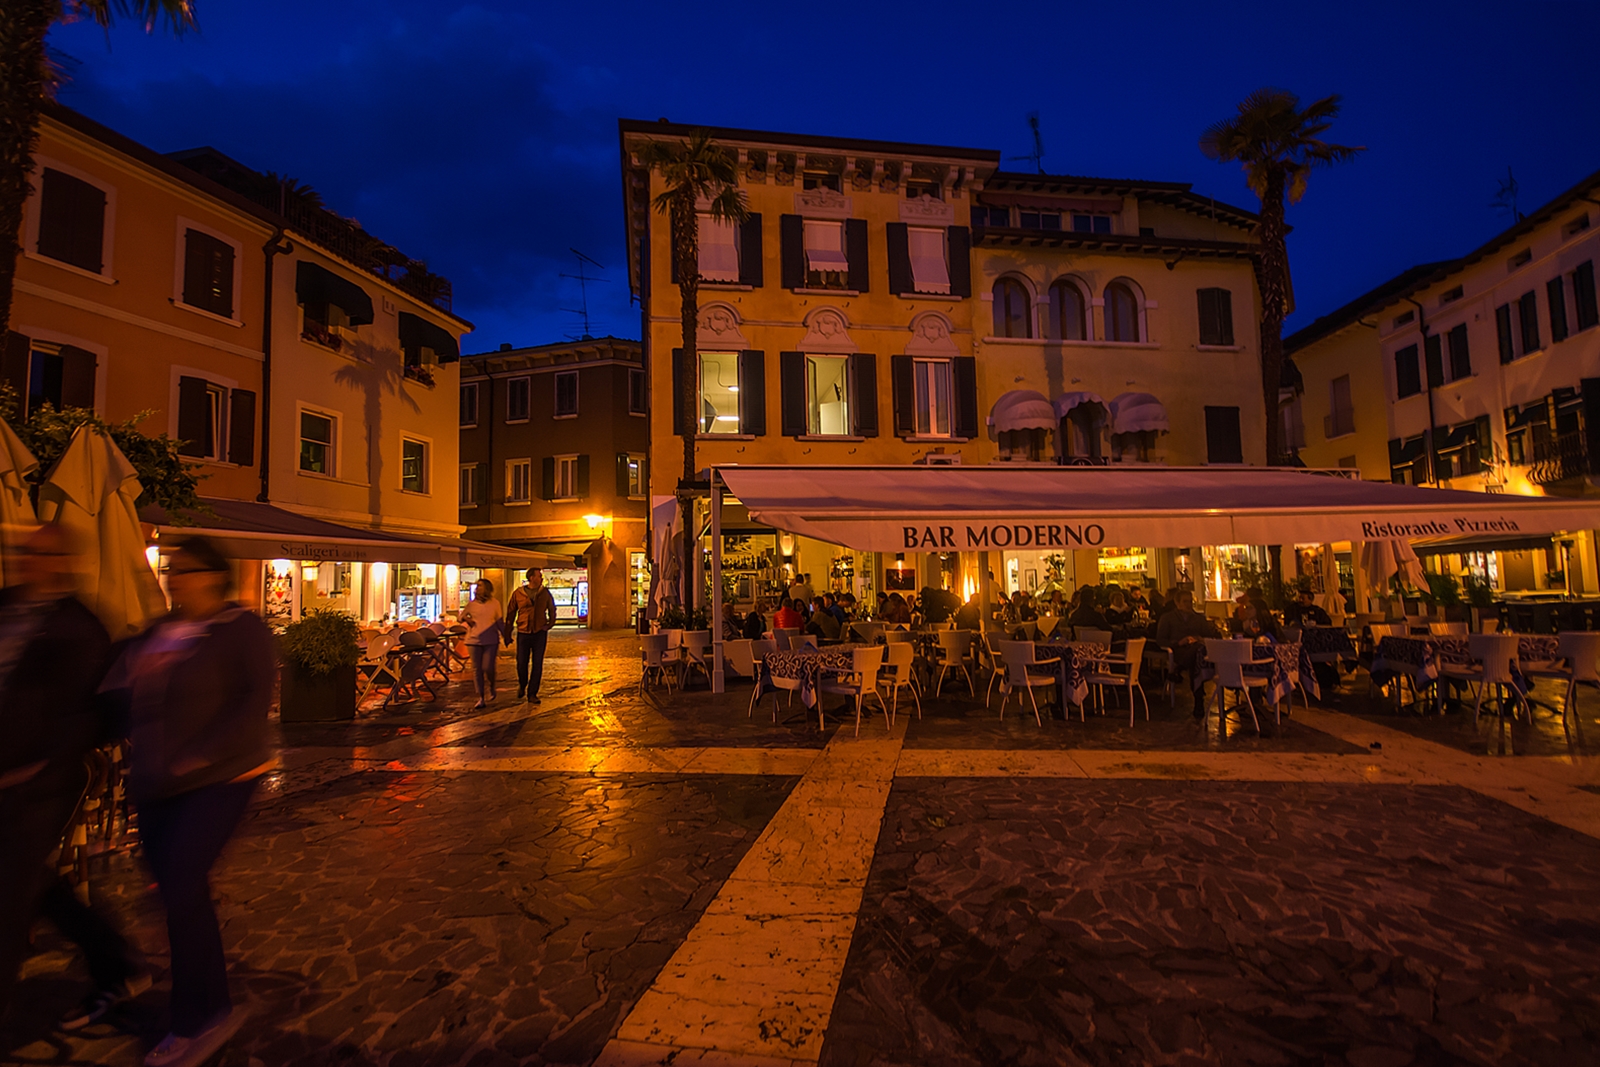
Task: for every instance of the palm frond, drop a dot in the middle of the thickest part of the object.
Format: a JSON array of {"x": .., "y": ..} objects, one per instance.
[{"x": 179, "y": 15}]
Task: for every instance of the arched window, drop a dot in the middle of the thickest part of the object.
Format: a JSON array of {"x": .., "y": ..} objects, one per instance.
[
  {"x": 1122, "y": 313},
  {"x": 1011, "y": 311},
  {"x": 1067, "y": 320}
]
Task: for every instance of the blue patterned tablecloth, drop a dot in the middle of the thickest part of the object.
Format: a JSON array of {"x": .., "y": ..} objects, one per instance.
[{"x": 808, "y": 665}]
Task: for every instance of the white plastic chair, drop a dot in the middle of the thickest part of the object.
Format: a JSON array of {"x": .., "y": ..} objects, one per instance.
[
  {"x": 1018, "y": 657},
  {"x": 1580, "y": 651},
  {"x": 1497, "y": 654},
  {"x": 1230, "y": 656},
  {"x": 784, "y": 638},
  {"x": 861, "y": 680},
  {"x": 1110, "y": 672},
  {"x": 697, "y": 654},
  {"x": 375, "y": 661},
  {"x": 897, "y": 637},
  {"x": 1098, "y": 637},
  {"x": 897, "y": 675},
  {"x": 868, "y": 631},
  {"x": 954, "y": 648},
  {"x": 987, "y": 653},
  {"x": 1490, "y": 626},
  {"x": 799, "y": 641},
  {"x": 1447, "y": 629},
  {"x": 740, "y": 657},
  {"x": 657, "y": 660}
]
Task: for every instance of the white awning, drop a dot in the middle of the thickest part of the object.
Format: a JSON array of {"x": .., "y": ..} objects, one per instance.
[
  {"x": 1067, "y": 401},
  {"x": 719, "y": 250},
  {"x": 916, "y": 508},
  {"x": 825, "y": 246},
  {"x": 929, "y": 271},
  {"x": 1136, "y": 412},
  {"x": 1022, "y": 409}
]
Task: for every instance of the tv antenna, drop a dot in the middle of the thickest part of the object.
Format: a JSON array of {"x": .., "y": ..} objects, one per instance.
[
  {"x": 583, "y": 281},
  {"x": 1505, "y": 197},
  {"x": 1036, "y": 157}
]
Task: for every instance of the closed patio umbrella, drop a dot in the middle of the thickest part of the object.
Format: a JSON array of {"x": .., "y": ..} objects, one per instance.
[
  {"x": 1383, "y": 560},
  {"x": 16, "y": 510},
  {"x": 91, "y": 492}
]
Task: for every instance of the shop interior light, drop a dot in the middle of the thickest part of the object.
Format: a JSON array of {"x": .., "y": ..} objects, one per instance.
[
  {"x": 727, "y": 418},
  {"x": 452, "y": 575},
  {"x": 309, "y": 572},
  {"x": 152, "y": 556},
  {"x": 281, "y": 568}
]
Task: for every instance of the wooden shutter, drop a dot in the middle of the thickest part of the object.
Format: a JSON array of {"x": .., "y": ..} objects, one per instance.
[
  {"x": 1460, "y": 357},
  {"x": 1583, "y": 295},
  {"x": 72, "y": 220},
  {"x": 958, "y": 245},
  {"x": 1224, "y": 300},
  {"x": 1502, "y": 326},
  {"x": 679, "y": 421},
  {"x": 964, "y": 396},
  {"x": 855, "y": 250},
  {"x": 750, "y": 272},
  {"x": 904, "y": 388},
  {"x": 792, "y": 392},
  {"x": 1528, "y": 316},
  {"x": 14, "y": 365},
  {"x": 753, "y": 392},
  {"x": 1556, "y": 295},
  {"x": 547, "y": 490},
  {"x": 792, "y": 251},
  {"x": 622, "y": 475},
  {"x": 194, "y": 417},
  {"x": 1407, "y": 378},
  {"x": 1433, "y": 359},
  {"x": 480, "y": 483},
  {"x": 899, "y": 255},
  {"x": 242, "y": 427},
  {"x": 863, "y": 394},
  {"x": 77, "y": 377},
  {"x": 1209, "y": 328},
  {"x": 208, "y": 273},
  {"x": 582, "y": 477},
  {"x": 1223, "y": 443}
]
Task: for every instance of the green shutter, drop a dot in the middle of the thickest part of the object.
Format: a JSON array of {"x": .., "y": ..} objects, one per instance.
[
  {"x": 903, "y": 385},
  {"x": 753, "y": 392},
  {"x": 194, "y": 417},
  {"x": 792, "y": 251},
  {"x": 864, "y": 395},
  {"x": 792, "y": 390}
]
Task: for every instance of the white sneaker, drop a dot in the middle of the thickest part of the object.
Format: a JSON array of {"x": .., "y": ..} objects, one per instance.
[{"x": 175, "y": 1051}]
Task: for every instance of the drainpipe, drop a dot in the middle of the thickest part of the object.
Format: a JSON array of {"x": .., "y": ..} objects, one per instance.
[
  {"x": 276, "y": 245},
  {"x": 1433, "y": 456}
]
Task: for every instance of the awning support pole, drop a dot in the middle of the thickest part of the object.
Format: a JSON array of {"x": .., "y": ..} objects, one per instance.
[{"x": 718, "y": 682}]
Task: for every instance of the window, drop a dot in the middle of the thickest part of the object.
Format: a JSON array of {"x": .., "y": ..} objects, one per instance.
[
  {"x": 1583, "y": 295},
  {"x": 828, "y": 396},
  {"x": 827, "y": 266},
  {"x": 1576, "y": 226},
  {"x": 1039, "y": 220},
  {"x": 469, "y": 404},
  {"x": 631, "y": 476},
  {"x": 518, "y": 392},
  {"x": 519, "y": 481},
  {"x": 819, "y": 179},
  {"x": 1292, "y": 424},
  {"x": 719, "y": 250},
  {"x": 316, "y": 443},
  {"x": 1012, "y": 314},
  {"x": 323, "y": 322},
  {"x": 1460, "y": 358},
  {"x": 916, "y": 188},
  {"x": 931, "y": 384},
  {"x": 929, "y": 271},
  {"x": 413, "y": 465},
  {"x": 719, "y": 392},
  {"x": 1520, "y": 259},
  {"x": 467, "y": 486},
  {"x": 1450, "y": 296},
  {"x": 564, "y": 478},
  {"x": 202, "y": 410},
  {"x": 1404, "y": 317},
  {"x": 1122, "y": 313},
  {"x": 72, "y": 221},
  {"x": 638, "y": 402},
  {"x": 1528, "y": 320},
  {"x": 1502, "y": 329},
  {"x": 1555, "y": 293},
  {"x": 1223, "y": 443},
  {"x": 991, "y": 216},
  {"x": 1407, "y": 372},
  {"x": 208, "y": 273},
  {"x": 1341, "y": 418},
  {"x": 1091, "y": 224},
  {"x": 1216, "y": 316},
  {"x": 1068, "y": 321},
  {"x": 566, "y": 394}
]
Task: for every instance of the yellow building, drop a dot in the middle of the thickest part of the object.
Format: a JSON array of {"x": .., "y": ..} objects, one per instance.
[
  {"x": 1480, "y": 373},
  {"x": 892, "y": 303},
  {"x": 325, "y": 430}
]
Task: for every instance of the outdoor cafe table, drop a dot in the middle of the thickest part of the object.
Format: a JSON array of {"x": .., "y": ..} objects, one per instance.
[
  {"x": 1073, "y": 661},
  {"x": 1278, "y": 661},
  {"x": 1327, "y": 644},
  {"x": 808, "y": 665},
  {"x": 1420, "y": 658}
]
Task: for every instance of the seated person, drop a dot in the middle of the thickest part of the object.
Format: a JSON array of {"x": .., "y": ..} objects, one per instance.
[
  {"x": 822, "y": 623},
  {"x": 1088, "y": 611},
  {"x": 938, "y": 605},
  {"x": 732, "y": 625},
  {"x": 1019, "y": 609},
  {"x": 1254, "y": 623},
  {"x": 1305, "y": 611},
  {"x": 896, "y": 610},
  {"x": 1119, "y": 613},
  {"x": 831, "y": 605},
  {"x": 1183, "y": 631},
  {"x": 787, "y": 618},
  {"x": 755, "y": 624},
  {"x": 967, "y": 615}
]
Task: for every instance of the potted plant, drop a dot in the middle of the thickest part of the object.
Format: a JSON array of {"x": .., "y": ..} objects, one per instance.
[
  {"x": 319, "y": 654},
  {"x": 1480, "y": 600},
  {"x": 1445, "y": 592}
]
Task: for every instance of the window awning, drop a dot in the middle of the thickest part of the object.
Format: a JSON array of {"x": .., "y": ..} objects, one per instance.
[
  {"x": 1022, "y": 409},
  {"x": 319, "y": 285},
  {"x": 1137, "y": 412},
  {"x": 418, "y": 332},
  {"x": 1451, "y": 546},
  {"x": 825, "y": 246},
  {"x": 1067, "y": 401},
  {"x": 929, "y": 271},
  {"x": 916, "y": 508},
  {"x": 719, "y": 250}
]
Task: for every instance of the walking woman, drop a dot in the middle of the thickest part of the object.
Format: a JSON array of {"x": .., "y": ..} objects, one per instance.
[
  {"x": 484, "y": 620},
  {"x": 198, "y": 685}
]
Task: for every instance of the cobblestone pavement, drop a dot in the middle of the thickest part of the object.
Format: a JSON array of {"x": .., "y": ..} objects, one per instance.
[{"x": 626, "y": 878}]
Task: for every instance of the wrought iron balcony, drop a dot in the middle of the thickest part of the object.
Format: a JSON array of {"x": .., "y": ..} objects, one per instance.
[{"x": 1556, "y": 460}]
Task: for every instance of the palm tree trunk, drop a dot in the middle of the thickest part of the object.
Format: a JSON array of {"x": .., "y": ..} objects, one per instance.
[
  {"x": 686, "y": 254},
  {"x": 23, "y": 26},
  {"x": 1272, "y": 278}
]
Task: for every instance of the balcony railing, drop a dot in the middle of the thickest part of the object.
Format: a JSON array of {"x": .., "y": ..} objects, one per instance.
[{"x": 1556, "y": 460}]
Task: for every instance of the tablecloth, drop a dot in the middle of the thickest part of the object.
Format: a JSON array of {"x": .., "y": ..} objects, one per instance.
[
  {"x": 808, "y": 665},
  {"x": 1327, "y": 644}
]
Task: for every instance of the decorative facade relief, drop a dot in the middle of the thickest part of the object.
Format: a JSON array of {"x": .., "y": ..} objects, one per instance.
[
  {"x": 719, "y": 328},
  {"x": 930, "y": 336},
  {"x": 827, "y": 330},
  {"x": 926, "y": 209},
  {"x": 821, "y": 204}
]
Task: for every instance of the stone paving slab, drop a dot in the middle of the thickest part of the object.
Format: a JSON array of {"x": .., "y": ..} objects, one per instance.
[{"x": 1217, "y": 922}]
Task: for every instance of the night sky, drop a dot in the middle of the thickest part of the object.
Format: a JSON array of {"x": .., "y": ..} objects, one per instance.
[{"x": 482, "y": 138}]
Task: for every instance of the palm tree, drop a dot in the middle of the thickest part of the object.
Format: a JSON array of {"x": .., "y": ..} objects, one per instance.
[
  {"x": 1278, "y": 144},
  {"x": 27, "y": 78},
  {"x": 694, "y": 170}
]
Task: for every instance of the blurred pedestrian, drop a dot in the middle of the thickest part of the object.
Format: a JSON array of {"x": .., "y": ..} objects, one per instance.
[
  {"x": 531, "y": 613},
  {"x": 485, "y": 623},
  {"x": 53, "y": 655},
  {"x": 198, "y": 686}
]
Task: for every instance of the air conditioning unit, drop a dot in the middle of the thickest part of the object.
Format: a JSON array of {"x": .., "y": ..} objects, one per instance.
[{"x": 941, "y": 459}]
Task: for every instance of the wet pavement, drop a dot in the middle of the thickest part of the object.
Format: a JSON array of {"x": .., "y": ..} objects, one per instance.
[{"x": 622, "y": 878}]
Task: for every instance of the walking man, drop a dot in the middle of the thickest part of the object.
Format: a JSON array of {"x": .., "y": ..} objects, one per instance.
[{"x": 532, "y": 613}]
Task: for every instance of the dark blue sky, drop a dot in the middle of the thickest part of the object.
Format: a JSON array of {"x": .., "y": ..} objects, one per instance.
[{"x": 482, "y": 138}]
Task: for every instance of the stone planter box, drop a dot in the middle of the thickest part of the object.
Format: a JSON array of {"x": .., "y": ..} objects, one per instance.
[{"x": 307, "y": 697}]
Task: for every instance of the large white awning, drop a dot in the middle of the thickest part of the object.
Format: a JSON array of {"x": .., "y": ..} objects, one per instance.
[{"x": 961, "y": 509}]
